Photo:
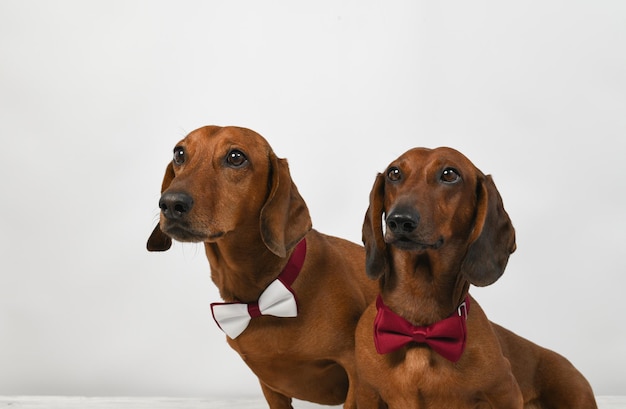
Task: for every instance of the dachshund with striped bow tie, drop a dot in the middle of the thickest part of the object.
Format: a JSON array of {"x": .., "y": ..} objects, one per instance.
[{"x": 436, "y": 224}]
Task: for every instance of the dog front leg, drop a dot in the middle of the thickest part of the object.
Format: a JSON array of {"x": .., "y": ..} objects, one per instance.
[
  {"x": 274, "y": 399},
  {"x": 507, "y": 395},
  {"x": 350, "y": 402},
  {"x": 351, "y": 397},
  {"x": 367, "y": 398}
]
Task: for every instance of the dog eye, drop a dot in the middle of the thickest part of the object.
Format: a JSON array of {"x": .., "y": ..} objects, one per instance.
[
  {"x": 394, "y": 174},
  {"x": 450, "y": 175},
  {"x": 179, "y": 155},
  {"x": 236, "y": 158}
]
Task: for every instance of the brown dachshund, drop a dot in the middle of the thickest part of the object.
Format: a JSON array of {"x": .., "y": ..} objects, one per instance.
[
  {"x": 226, "y": 188},
  {"x": 425, "y": 343}
]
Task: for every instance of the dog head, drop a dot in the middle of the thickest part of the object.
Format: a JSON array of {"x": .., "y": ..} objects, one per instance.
[
  {"x": 436, "y": 202},
  {"x": 226, "y": 181}
]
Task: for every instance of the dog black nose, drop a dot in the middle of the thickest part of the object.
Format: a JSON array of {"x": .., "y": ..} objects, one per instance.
[
  {"x": 175, "y": 205},
  {"x": 402, "y": 222}
]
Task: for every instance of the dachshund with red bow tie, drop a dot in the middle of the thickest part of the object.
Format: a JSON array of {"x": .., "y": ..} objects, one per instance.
[{"x": 436, "y": 224}]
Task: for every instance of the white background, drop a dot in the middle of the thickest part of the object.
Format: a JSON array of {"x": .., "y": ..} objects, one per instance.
[{"x": 94, "y": 96}]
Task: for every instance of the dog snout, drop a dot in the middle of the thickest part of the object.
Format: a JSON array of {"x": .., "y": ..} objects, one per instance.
[
  {"x": 175, "y": 205},
  {"x": 402, "y": 221}
]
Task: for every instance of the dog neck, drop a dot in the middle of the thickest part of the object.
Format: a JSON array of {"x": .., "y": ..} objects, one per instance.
[
  {"x": 423, "y": 288},
  {"x": 241, "y": 267}
]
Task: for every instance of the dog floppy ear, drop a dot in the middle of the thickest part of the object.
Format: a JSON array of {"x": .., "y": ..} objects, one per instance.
[
  {"x": 376, "y": 259},
  {"x": 285, "y": 218},
  {"x": 493, "y": 238},
  {"x": 159, "y": 241}
]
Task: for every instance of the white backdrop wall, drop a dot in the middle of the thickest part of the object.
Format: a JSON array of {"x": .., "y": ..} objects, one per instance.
[{"x": 94, "y": 95}]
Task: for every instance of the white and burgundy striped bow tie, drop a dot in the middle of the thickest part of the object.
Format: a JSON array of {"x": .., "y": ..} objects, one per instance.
[{"x": 278, "y": 299}]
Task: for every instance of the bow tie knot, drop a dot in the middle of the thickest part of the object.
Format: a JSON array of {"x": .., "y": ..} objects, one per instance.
[
  {"x": 277, "y": 300},
  {"x": 446, "y": 337}
]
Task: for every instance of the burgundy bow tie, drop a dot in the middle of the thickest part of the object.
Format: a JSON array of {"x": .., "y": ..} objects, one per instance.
[
  {"x": 278, "y": 299},
  {"x": 446, "y": 337}
]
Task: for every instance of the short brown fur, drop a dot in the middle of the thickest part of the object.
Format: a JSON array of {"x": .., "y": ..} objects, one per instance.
[
  {"x": 463, "y": 236},
  {"x": 250, "y": 218}
]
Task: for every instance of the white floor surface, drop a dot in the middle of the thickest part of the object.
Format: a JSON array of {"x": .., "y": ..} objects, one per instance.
[{"x": 62, "y": 402}]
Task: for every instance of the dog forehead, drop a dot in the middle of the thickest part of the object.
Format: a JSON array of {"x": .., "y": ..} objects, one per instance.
[
  {"x": 215, "y": 139},
  {"x": 452, "y": 157},
  {"x": 426, "y": 160}
]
